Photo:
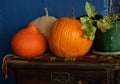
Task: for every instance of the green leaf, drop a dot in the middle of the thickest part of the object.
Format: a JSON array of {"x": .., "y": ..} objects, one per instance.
[
  {"x": 90, "y": 9},
  {"x": 89, "y": 28},
  {"x": 107, "y": 22},
  {"x": 87, "y": 20},
  {"x": 83, "y": 19},
  {"x": 91, "y": 33},
  {"x": 85, "y": 26},
  {"x": 112, "y": 17},
  {"x": 104, "y": 24},
  {"x": 101, "y": 26}
]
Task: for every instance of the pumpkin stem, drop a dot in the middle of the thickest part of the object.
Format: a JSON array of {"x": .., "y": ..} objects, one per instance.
[
  {"x": 46, "y": 11},
  {"x": 32, "y": 28},
  {"x": 73, "y": 13}
]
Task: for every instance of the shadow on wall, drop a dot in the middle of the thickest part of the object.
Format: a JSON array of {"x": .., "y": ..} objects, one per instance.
[{"x": 16, "y": 14}]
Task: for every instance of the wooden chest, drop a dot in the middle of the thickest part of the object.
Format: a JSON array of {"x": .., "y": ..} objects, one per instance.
[{"x": 64, "y": 72}]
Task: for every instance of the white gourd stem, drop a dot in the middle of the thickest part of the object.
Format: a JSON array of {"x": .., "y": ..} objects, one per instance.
[{"x": 46, "y": 11}]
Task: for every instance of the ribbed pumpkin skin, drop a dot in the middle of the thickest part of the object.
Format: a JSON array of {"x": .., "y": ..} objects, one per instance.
[
  {"x": 66, "y": 38},
  {"x": 28, "y": 42}
]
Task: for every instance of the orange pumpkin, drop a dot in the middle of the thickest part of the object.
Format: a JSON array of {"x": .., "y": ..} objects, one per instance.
[
  {"x": 28, "y": 42},
  {"x": 66, "y": 38}
]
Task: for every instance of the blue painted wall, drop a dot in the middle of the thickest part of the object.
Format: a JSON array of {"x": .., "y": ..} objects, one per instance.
[{"x": 16, "y": 14}]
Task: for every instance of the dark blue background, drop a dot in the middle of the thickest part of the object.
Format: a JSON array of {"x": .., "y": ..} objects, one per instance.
[{"x": 16, "y": 14}]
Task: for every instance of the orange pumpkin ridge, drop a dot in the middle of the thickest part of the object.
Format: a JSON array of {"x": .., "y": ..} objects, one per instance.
[{"x": 66, "y": 38}]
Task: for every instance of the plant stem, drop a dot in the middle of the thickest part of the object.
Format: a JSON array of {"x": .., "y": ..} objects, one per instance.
[
  {"x": 73, "y": 13},
  {"x": 46, "y": 11},
  {"x": 110, "y": 6}
]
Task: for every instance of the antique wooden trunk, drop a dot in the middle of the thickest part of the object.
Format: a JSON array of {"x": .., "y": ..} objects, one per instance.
[{"x": 56, "y": 70}]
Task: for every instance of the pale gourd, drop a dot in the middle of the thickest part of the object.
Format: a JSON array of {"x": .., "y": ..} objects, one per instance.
[{"x": 44, "y": 23}]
